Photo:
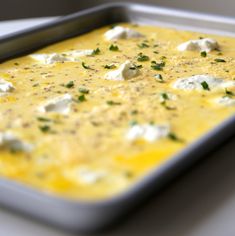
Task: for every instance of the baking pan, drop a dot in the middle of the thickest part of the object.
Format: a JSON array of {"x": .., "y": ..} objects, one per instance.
[{"x": 90, "y": 216}]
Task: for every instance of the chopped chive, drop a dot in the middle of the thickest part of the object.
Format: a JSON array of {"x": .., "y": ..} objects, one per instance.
[
  {"x": 164, "y": 104},
  {"x": 134, "y": 112},
  {"x": 113, "y": 48},
  {"x": 203, "y": 54},
  {"x": 219, "y": 60},
  {"x": 205, "y": 86},
  {"x": 143, "y": 45},
  {"x": 156, "y": 52},
  {"x": 81, "y": 98},
  {"x": 111, "y": 66},
  {"x": 163, "y": 58},
  {"x": 157, "y": 66},
  {"x": 142, "y": 57},
  {"x": 43, "y": 119},
  {"x": 45, "y": 128},
  {"x": 85, "y": 66},
  {"x": 96, "y": 51},
  {"x": 112, "y": 103},
  {"x": 230, "y": 93},
  {"x": 70, "y": 84},
  {"x": 164, "y": 96},
  {"x": 83, "y": 90},
  {"x": 174, "y": 137}
]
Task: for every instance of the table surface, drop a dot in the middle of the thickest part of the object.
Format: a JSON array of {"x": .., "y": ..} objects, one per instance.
[{"x": 201, "y": 202}]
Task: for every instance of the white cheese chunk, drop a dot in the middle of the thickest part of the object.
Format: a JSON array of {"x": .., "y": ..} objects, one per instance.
[
  {"x": 148, "y": 132},
  {"x": 126, "y": 71},
  {"x": 71, "y": 56},
  {"x": 120, "y": 32},
  {"x": 75, "y": 55},
  {"x": 12, "y": 142},
  {"x": 195, "y": 83},
  {"x": 5, "y": 86},
  {"x": 206, "y": 44},
  {"x": 59, "y": 104},
  {"x": 88, "y": 176},
  {"x": 225, "y": 101},
  {"x": 48, "y": 59}
]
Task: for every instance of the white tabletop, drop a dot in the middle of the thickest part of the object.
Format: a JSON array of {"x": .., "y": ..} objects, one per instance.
[{"x": 199, "y": 203}]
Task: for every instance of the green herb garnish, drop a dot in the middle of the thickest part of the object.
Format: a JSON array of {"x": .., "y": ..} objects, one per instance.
[
  {"x": 219, "y": 60},
  {"x": 134, "y": 112},
  {"x": 113, "y": 48},
  {"x": 112, "y": 103},
  {"x": 143, "y": 45},
  {"x": 203, "y": 54},
  {"x": 81, "y": 98},
  {"x": 174, "y": 137},
  {"x": 164, "y": 96},
  {"x": 70, "y": 84},
  {"x": 85, "y": 66},
  {"x": 96, "y": 51},
  {"x": 83, "y": 90},
  {"x": 45, "y": 128},
  {"x": 142, "y": 57},
  {"x": 163, "y": 58},
  {"x": 157, "y": 66},
  {"x": 205, "y": 86},
  {"x": 111, "y": 66},
  {"x": 230, "y": 93},
  {"x": 43, "y": 119}
]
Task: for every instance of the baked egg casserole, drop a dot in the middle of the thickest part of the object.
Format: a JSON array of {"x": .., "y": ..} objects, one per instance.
[{"x": 88, "y": 117}]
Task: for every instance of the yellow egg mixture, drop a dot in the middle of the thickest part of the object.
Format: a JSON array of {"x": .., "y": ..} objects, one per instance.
[{"x": 85, "y": 152}]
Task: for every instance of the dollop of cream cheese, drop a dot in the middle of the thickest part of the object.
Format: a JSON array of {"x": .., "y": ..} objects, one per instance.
[
  {"x": 126, "y": 71},
  {"x": 59, "y": 104},
  {"x": 10, "y": 141},
  {"x": 69, "y": 56},
  {"x": 206, "y": 44},
  {"x": 120, "y": 32},
  {"x": 195, "y": 83},
  {"x": 5, "y": 86},
  {"x": 148, "y": 132}
]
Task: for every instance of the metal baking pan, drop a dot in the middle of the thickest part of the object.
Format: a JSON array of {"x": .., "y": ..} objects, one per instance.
[{"x": 91, "y": 216}]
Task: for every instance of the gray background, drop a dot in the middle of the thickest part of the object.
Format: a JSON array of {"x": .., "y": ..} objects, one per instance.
[{"x": 12, "y": 9}]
